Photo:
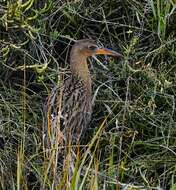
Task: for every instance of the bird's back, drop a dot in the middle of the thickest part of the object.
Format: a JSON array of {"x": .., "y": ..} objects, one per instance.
[{"x": 71, "y": 105}]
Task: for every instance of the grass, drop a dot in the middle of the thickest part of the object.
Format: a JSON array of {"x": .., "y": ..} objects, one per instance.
[{"x": 132, "y": 140}]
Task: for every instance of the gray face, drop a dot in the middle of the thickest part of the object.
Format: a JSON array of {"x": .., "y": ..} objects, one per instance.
[{"x": 86, "y": 47}]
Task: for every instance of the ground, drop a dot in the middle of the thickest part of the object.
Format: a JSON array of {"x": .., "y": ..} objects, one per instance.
[{"x": 131, "y": 139}]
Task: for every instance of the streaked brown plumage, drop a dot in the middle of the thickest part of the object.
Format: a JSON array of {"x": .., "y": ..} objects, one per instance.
[{"x": 76, "y": 106}]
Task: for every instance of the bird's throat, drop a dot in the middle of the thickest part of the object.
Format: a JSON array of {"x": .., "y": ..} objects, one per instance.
[{"x": 80, "y": 70}]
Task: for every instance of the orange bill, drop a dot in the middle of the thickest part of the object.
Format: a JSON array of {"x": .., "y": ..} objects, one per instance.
[{"x": 106, "y": 51}]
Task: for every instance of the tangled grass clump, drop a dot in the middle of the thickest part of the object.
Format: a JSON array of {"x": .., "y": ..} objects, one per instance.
[{"x": 132, "y": 133}]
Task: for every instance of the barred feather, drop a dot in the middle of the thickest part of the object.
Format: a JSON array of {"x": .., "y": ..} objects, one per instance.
[{"x": 75, "y": 112}]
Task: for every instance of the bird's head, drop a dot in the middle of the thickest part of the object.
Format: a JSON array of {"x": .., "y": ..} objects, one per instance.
[
  {"x": 88, "y": 47},
  {"x": 80, "y": 51}
]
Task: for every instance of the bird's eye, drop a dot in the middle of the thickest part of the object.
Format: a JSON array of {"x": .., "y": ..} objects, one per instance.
[{"x": 92, "y": 48}]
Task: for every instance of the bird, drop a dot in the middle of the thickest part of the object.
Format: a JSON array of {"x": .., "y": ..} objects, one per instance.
[{"x": 72, "y": 100}]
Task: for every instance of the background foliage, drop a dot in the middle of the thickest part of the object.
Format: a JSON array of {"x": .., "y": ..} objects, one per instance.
[{"x": 133, "y": 129}]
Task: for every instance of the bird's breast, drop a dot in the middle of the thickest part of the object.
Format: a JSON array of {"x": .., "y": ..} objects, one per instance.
[{"x": 76, "y": 103}]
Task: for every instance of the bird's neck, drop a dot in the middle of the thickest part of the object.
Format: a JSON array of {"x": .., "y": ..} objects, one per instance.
[{"x": 80, "y": 69}]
